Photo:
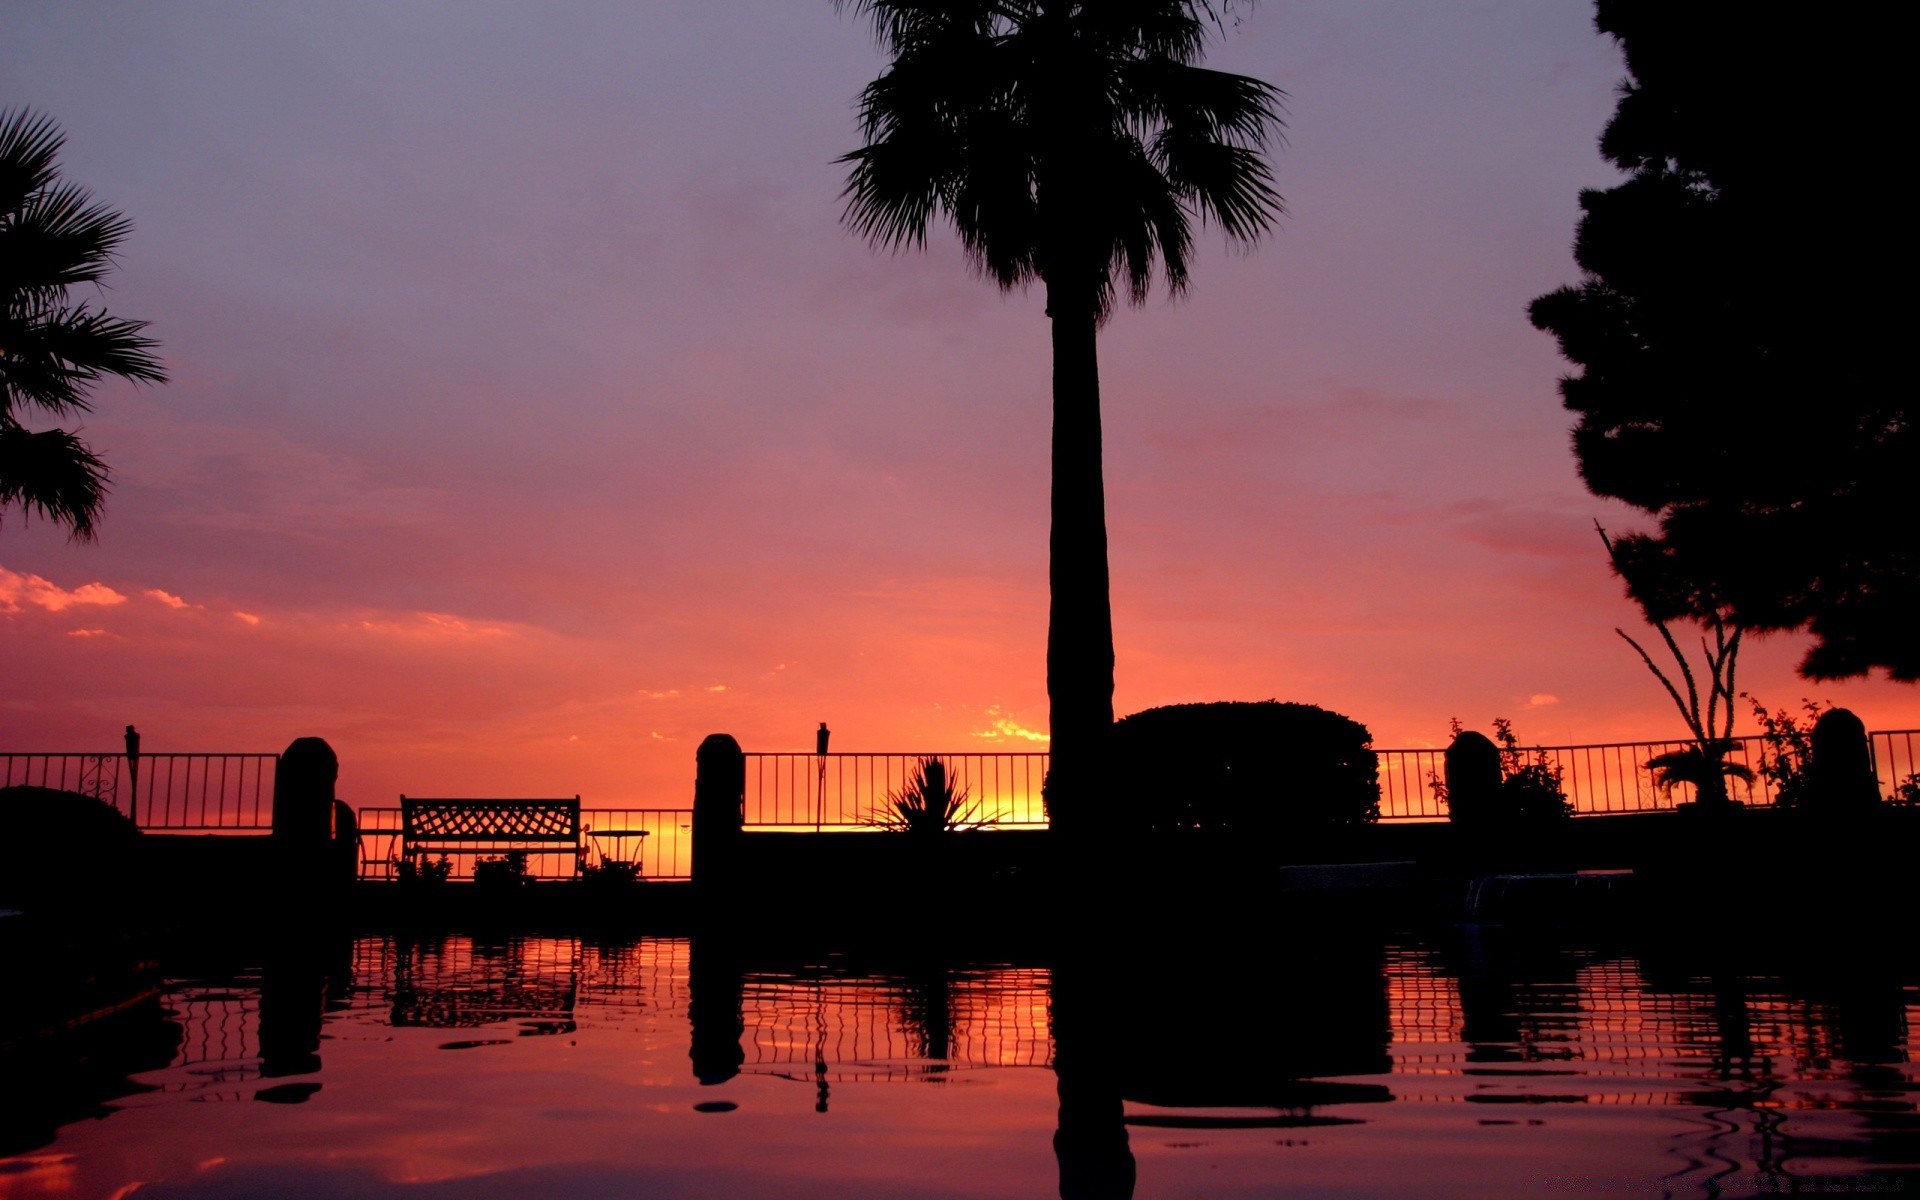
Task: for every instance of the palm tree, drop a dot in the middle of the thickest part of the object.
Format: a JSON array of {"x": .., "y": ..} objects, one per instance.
[
  {"x": 1072, "y": 144},
  {"x": 53, "y": 350}
]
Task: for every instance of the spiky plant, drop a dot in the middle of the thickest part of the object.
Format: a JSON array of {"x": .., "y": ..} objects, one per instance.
[
  {"x": 929, "y": 804},
  {"x": 1704, "y": 765}
]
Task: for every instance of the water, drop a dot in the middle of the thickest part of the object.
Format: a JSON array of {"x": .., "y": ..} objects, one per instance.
[{"x": 1453, "y": 1063}]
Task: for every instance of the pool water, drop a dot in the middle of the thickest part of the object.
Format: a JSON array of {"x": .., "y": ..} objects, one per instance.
[{"x": 1458, "y": 1062}]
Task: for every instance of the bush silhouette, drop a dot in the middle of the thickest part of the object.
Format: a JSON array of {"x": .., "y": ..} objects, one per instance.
[{"x": 1261, "y": 767}]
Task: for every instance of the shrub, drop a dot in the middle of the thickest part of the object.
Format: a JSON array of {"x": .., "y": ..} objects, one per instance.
[
  {"x": 1531, "y": 789},
  {"x": 1244, "y": 767},
  {"x": 610, "y": 872},
  {"x": 1786, "y": 751},
  {"x": 506, "y": 870},
  {"x": 421, "y": 871},
  {"x": 1907, "y": 792}
]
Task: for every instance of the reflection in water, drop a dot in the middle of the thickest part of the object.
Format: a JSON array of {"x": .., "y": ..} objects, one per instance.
[{"x": 1646, "y": 1068}]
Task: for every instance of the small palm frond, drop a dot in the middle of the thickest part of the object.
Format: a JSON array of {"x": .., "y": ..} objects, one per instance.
[
  {"x": 53, "y": 473},
  {"x": 1696, "y": 765}
]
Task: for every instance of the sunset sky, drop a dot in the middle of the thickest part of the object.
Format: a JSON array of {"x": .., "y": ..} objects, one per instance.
[{"x": 532, "y": 415}]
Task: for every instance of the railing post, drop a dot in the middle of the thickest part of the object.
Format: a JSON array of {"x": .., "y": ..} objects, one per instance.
[
  {"x": 1473, "y": 778},
  {"x": 1840, "y": 773},
  {"x": 303, "y": 811},
  {"x": 719, "y": 797}
]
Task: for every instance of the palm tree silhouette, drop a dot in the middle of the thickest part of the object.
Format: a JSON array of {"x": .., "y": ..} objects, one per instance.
[
  {"x": 52, "y": 350},
  {"x": 1069, "y": 143}
]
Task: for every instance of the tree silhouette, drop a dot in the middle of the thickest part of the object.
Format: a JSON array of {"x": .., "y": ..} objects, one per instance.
[
  {"x": 52, "y": 349},
  {"x": 1073, "y": 145},
  {"x": 1741, "y": 373}
]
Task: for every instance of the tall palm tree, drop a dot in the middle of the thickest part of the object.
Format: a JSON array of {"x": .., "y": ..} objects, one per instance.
[
  {"x": 1072, "y": 143},
  {"x": 52, "y": 349}
]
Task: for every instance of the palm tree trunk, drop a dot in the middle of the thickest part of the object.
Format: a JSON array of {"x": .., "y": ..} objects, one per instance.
[{"x": 1080, "y": 615}]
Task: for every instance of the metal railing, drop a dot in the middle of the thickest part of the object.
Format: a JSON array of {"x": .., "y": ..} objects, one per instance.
[
  {"x": 665, "y": 852},
  {"x": 1614, "y": 778},
  {"x": 850, "y": 791},
  {"x": 1896, "y": 760},
  {"x": 174, "y": 793},
  {"x": 1600, "y": 779}
]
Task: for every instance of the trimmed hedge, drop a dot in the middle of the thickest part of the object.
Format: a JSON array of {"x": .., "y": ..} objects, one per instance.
[{"x": 1261, "y": 767}]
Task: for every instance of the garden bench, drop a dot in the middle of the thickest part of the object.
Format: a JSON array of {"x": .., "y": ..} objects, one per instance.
[{"x": 470, "y": 826}]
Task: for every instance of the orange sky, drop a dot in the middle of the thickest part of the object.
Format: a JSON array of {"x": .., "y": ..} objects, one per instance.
[{"x": 532, "y": 416}]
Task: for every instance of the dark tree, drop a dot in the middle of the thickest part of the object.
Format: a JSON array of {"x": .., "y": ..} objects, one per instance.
[
  {"x": 1073, "y": 145},
  {"x": 1734, "y": 331},
  {"x": 52, "y": 348}
]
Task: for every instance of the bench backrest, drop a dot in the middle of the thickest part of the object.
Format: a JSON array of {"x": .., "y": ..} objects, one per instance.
[{"x": 464, "y": 820}]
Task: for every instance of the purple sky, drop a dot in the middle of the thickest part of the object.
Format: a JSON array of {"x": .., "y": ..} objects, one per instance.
[{"x": 532, "y": 416}]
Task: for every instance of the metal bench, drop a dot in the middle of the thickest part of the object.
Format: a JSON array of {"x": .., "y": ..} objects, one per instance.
[{"x": 473, "y": 826}]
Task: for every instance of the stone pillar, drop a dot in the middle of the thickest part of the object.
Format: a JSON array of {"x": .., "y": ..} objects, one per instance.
[
  {"x": 303, "y": 811},
  {"x": 1473, "y": 778},
  {"x": 1840, "y": 776},
  {"x": 719, "y": 792}
]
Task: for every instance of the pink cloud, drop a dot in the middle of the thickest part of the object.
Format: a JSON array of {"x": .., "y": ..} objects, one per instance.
[{"x": 16, "y": 589}]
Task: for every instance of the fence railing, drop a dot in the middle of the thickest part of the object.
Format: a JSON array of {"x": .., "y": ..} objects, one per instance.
[
  {"x": 1614, "y": 778},
  {"x": 851, "y": 791},
  {"x": 840, "y": 791},
  {"x": 659, "y": 839},
  {"x": 184, "y": 793}
]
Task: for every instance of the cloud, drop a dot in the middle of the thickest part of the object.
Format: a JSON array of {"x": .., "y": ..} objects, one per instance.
[
  {"x": 1542, "y": 700},
  {"x": 248, "y": 617},
  {"x": 718, "y": 687},
  {"x": 669, "y": 694},
  {"x": 432, "y": 626},
  {"x": 1003, "y": 726},
  {"x": 16, "y": 589},
  {"x": 87, "y": 633}
]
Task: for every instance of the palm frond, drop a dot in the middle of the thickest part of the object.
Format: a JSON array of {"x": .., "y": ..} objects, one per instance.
[
  {"x": 53, "y": 473},
  {"x": 1060, "y": 139},
  {"x": 29, "y": 144},
  {"x": 52, "y": 351}
]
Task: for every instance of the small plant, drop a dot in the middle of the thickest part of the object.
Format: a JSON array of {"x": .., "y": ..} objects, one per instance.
[
  {"x": 610, "y": 872},
  {"x": 930, "y": 804},
  {"x": 1907, "y": 792},
  {"x": 502, "y": 870},
  {"x": 419, "y": 871},
  {"x": 1529, "y": 790},
  {"x": 1786, "y": 750},
  {"x": 1704, "y": 764}
]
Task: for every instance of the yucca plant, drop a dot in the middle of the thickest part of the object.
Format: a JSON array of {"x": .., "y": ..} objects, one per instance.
[{"x": 929, "y": 804}]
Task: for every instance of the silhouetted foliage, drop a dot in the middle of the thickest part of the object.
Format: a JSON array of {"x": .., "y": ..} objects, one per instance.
[
  {"x": 502, "y": 870},
  {"x": 1530, "y": 789},
  {"x": 422, "y": 871},
  {"x": 930, "y": 803},
  {"x": 1068, "y": 144},
  {"x": 1705, "y": 764},
  {"x": 53, "y": 350},
  {"x": 1244, "y": 767},
  {"x": 1741, "y": 374},
  {"x": 1786, "y": 750},
  {"x": 1906, "y": 793}
]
